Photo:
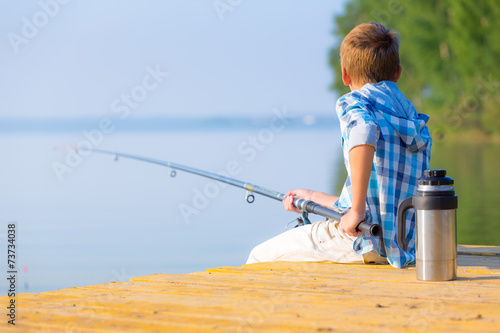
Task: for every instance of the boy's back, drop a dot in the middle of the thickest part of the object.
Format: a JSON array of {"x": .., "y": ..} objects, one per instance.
[
  {"x": 379, "y": 114},
  {"x": 386, "y": 146}
]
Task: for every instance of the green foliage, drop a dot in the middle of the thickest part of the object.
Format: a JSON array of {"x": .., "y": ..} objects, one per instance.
[{"x": 450, "y": 54}]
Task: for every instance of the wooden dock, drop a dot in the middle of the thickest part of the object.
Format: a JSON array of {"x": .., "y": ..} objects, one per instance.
[{"x": 270, "y": 297}]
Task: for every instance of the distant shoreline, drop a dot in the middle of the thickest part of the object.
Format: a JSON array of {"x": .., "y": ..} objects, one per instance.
[
  {"x": 159, "y": 124},
  {"x": 19, "y": 125}
]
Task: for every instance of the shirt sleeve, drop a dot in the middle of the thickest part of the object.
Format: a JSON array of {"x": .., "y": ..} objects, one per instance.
[
  {"x": 357, "y": 124},
  {"x": 363, "y": 134}
]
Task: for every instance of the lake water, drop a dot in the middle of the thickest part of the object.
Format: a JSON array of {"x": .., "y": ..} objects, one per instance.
[
  {"x": 109, "y": 221},
  {"x": 475, "y": 169}
]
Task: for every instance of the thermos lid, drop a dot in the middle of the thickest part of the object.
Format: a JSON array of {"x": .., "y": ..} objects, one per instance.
[{"x": 435, "y": 177}]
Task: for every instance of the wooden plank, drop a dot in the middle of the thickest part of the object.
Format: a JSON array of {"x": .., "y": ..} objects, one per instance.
[
  {"x": 281, "y": 296},
  {"x": 184, "y": 312},
  {"x": 478, "y": 250}
]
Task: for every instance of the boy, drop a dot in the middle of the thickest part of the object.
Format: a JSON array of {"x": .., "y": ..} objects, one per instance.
[{"x": 386, "y": 146}]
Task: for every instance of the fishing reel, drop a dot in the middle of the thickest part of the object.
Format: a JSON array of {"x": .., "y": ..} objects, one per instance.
[{"x": 301, "y": 220}]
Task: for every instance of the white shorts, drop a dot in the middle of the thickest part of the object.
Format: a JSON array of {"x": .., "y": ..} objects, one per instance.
[{"x": 321, "y": 241}]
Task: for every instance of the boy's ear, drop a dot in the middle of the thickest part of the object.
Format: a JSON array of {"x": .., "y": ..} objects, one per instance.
[
  {"x": 346, "y": 79},
  {"x": 398, "y": 74}
]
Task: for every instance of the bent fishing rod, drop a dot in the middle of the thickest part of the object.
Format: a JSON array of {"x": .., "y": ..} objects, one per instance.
[{"x": 306, "y": 206}]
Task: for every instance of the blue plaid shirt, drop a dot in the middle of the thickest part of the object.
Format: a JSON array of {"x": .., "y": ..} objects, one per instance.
[{"x": 379, "y": 115}]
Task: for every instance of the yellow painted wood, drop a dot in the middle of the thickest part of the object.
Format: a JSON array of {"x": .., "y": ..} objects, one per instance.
[{"x": 277, "y": 297}]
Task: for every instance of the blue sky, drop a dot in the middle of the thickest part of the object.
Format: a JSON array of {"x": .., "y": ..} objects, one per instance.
[{"x": 80, "y": 58}]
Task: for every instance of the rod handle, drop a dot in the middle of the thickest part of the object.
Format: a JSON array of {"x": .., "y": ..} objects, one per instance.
[
  {"x": 312, "y": 207},
  {"x": 372, "y": 229}
]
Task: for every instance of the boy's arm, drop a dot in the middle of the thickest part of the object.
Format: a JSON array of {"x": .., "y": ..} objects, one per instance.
[{"x": 361, "y": 161}]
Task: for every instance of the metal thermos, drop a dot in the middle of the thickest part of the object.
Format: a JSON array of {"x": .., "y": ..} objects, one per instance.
[{"x": 435, "y": 206}]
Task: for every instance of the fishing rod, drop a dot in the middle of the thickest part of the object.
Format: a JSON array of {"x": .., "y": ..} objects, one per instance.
[{"x": 307, "y": 206}]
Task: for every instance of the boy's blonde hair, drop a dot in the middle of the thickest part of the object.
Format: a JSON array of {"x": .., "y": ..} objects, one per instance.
[{"x": 370, "y": 53}]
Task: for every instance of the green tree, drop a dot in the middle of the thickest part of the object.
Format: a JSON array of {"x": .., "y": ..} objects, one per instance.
[{"x": 450, "y": 54}]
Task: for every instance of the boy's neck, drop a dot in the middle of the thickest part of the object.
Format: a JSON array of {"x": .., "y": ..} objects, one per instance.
[{"x": 356, "y": 86}]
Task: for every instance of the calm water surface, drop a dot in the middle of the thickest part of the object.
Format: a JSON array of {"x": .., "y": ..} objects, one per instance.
[
  {"x": 475, "y": 169},
  {"x": 110, "y": 221}
]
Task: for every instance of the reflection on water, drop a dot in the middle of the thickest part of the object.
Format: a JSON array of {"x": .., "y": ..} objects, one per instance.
[{"x": 475, "y": 169}]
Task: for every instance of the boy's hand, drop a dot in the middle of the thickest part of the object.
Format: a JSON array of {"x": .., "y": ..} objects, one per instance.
[
  {"x": 350, "y": 221},
  {"x": 291, "y": 195}
]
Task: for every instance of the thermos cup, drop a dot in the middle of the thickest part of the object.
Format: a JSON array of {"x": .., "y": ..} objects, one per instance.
[{"x": 435, "y": 205}]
